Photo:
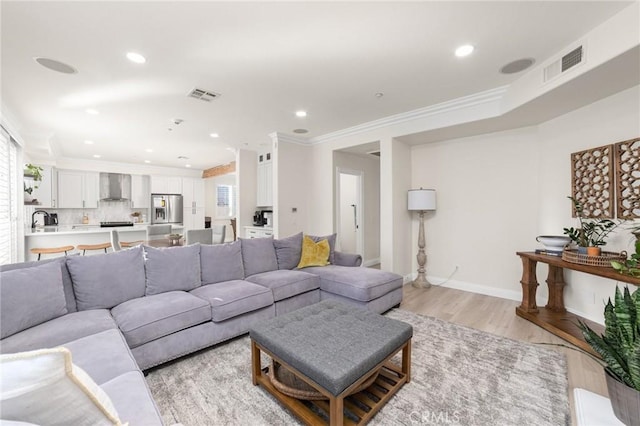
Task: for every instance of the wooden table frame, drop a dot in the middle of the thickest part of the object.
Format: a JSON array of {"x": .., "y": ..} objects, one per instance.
[
  {"x": 554, "y": 316},
  {"x": 394, "y": 378}
]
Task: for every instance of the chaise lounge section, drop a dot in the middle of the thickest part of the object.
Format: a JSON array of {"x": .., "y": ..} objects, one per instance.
[{"x": 128, "y": 311}]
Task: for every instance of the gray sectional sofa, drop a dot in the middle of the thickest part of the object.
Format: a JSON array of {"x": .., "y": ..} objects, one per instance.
[{"x": 124, "y": 312}]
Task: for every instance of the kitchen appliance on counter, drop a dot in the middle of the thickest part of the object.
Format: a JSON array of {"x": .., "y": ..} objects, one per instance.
[
  {"x": 114, "y": 224},
  {"x": 51, "y": 220},
  {"x": 166, "y": 208},
  {"x": 263, "y": 218}
]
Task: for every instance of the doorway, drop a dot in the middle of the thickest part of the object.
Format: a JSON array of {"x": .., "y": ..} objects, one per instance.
[{"x": 350, "y": 214}]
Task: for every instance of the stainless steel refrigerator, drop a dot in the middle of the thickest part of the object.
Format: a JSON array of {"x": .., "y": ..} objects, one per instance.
[{"x": 166, "y": 208}]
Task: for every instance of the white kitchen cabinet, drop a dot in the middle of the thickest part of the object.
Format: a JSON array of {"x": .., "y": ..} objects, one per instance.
[
  {"x": 166, "y": 185},
  {"x": 193, "y": 203},
  {"x": 257, "y": 232},
  {"x": 47, "y": 191},
  {"x": 265, "y": 180},
  {"x": 140, "y": 194},
  {"x": 77, "y": 189}
]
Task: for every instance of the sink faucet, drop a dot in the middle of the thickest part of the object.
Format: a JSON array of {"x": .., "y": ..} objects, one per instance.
[{"x": 33, "y": 221}]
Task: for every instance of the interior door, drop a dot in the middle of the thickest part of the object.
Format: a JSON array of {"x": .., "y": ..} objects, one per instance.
[{"x": 350, "y": 212}]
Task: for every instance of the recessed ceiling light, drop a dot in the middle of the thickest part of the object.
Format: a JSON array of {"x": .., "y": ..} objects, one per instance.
[
  {"x": 231, "y": 149},
  {"x": 464, "y": 50},
  {"x": 148, "y": 150},
  {"x": 300, "y": 131},
  {"x": 88, "y": 142},
  {"x": 97, "y": 155},
  {"x": 136, "y": 57},
  {"x": 147, "y": 161},
  {"x": 91, "y": 111},
  {"x": 54, "y": 65},
  {"x": 301, "y": 113},
  {"x": 214, "y": 135},
  {"x": 187, "y": 165}
]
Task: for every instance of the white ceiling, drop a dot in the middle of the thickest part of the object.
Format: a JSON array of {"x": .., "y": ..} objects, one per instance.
[{"x": 267, "y": 60}]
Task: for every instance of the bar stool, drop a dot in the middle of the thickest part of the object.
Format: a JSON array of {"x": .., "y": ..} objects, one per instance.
[
  {"x": 51, "y": 250},
  {"x": 101, "y": 246}
]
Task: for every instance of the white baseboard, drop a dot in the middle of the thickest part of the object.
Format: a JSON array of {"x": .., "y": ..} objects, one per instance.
[
  {"x": 495, "y": 292},
  {"x": 371, "y": 262}
]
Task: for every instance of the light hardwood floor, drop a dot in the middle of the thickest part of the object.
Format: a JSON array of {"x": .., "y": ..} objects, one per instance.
[{"x": 497, "y": 316}]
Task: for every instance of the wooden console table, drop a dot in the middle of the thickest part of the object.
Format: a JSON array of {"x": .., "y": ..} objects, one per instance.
[{"x": 554, "y": 317}]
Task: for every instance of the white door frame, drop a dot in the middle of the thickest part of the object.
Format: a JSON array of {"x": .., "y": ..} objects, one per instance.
[{"x": 360, "y": 197}]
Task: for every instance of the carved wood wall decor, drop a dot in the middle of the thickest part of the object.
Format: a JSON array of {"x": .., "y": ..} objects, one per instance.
[
  {"x": 592, "y": 181},
  {"x": 627, "y": 169}
]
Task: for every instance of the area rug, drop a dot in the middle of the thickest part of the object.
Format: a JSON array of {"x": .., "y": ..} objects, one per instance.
[{"x": 460, "y": 376}]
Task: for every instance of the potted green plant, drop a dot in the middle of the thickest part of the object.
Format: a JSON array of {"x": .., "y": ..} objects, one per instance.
[
  {"x": 591, "y": 234},
  {"x": 631, "y": 266},
  {"x": 619, "y": 348},
  {"x": 34, "y": 173}
]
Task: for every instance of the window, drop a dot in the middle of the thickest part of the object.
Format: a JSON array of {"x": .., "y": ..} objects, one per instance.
[
  {"x": 225, "y": 201},
  {"x": 8, "y": 199}
]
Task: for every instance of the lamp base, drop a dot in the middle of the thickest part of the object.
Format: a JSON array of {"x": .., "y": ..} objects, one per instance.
[{"x": 421, "y": 282}]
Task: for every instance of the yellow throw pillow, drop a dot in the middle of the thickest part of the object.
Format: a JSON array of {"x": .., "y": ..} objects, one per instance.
[{"x": 314, "y": 254}]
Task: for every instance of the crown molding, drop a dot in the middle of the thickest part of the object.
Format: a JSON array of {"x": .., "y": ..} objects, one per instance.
[
  {"x": 454, "y": 105},
  {"x": 283, "y": 137}
]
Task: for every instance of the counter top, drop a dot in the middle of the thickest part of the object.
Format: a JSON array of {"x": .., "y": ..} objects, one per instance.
[{"x": 88, "y": 229}]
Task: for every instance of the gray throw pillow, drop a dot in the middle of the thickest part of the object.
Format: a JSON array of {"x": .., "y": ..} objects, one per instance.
[
  {"x": 29, "y": 297},
  {"x": 258, "y": 255},
  {"x": 288, "y": 251},
  {"x": 103, "y": 281},
  {"x": 221, "y": 262},
  {"x": 332, "y": 244},
  {"x": 172, "y": 269}
]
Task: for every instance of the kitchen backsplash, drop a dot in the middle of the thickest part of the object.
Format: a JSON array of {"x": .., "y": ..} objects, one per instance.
[{"x": 107, "y": 211}]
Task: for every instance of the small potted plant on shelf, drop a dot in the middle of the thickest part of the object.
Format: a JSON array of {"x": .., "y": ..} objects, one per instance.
[
  {"x": 34, "y": 173},
  {"x": 619, "y": 348},
  {"x": 630, "y": 266},
  {"x": 591, "y": 234}
]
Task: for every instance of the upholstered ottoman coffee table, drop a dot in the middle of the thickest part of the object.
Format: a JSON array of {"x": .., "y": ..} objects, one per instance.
[{"x": 335, "y": 349}]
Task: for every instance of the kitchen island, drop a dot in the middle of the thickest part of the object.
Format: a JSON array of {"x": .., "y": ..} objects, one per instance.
[{"x": 62, "y": 235}]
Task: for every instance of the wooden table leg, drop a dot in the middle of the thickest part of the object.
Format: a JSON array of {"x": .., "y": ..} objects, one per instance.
[
  {"x": 406, "y": 360},
  {"x": 336, "y": 410},
  {"x": 529, "y": 285},
  {"x": 555, "y": 282},
  {"x": 256, "y": 371}
]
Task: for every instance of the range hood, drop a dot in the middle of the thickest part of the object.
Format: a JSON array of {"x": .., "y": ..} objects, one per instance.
[{"x": 115, "y": 187}]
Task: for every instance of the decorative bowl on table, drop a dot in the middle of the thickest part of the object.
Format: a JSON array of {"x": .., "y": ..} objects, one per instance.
[{"x": 553, "y": 243}]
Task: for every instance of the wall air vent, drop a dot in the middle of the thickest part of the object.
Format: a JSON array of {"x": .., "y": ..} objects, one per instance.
[
  {"x": 203, "y": 95},
  {"x": 564, "y": 64}
]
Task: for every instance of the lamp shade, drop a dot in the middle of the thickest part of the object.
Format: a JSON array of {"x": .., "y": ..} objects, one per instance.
[{"x": 422, "y": 199}]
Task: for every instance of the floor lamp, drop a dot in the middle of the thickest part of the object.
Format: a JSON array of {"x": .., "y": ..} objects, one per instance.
[{"x": 421, "y": 200}]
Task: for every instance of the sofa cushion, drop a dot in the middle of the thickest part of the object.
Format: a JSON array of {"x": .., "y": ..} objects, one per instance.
[
  {"x": 103, "y": 355},
  {"x": 288, "y": 251},
  {"x": 332, "y": 244},
  {"x": 285, "y": 283},
  {"x": 30, "y": 297},
  {"x": 106, "y": 280},
  {"x": 66, "y": 278},
  {"x": 59, "y": 331},
  {"x": 132, "y": 398},
  {"x": 221, "y": 262},
  {"x": 45, "y": 387},
  {"x": 258, "y": 255},
  {"x": 171, "y": 269},
  {"x": 232, "y": 298},
  {"x": 151, "y": 317},
  {"x": 314, "y": 254},
  {"x": 363, "y": 284}
]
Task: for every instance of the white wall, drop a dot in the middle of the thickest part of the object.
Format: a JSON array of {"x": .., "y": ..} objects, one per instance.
[
  {"x": 370, "y": 168},
  {"x": 291, "y": 189},
  {"x": 497, "y": 192},
  {"x": 246, "y": 180}
]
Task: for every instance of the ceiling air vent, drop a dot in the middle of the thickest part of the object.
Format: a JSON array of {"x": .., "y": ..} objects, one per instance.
[
  {"x": 203, "y": 95},
  {"x": 565, "y": 63}
]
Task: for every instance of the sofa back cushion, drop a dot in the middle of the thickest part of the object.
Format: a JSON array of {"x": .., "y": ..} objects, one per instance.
[
  {"x": 221, "y": 262},
  {"x": 30, "y": 296},
  {"x": 288, "y": 251},
  {"x": 172, "y": 269},
  {"x": 67, "y": 285},
  {"x": 106, "y": 280},
  {"x": 258, "y": 255}
]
